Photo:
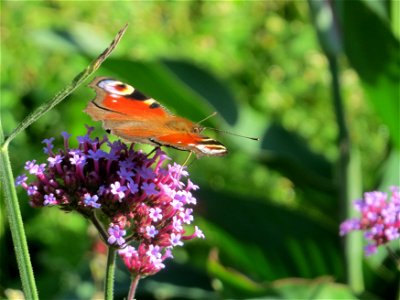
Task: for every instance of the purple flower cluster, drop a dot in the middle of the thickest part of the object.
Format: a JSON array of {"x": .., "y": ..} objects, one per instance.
[
  {"x": 143, "y": 201},
  {"x": 380, "y": 218}
]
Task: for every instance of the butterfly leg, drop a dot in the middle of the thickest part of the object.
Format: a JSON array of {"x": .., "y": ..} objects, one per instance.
[
  {"x": 187, "y": 159},
  {"x": 154, "y": 150}
]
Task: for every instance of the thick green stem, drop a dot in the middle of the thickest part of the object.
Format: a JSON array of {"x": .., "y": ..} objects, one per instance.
[
  {"x": 16, "y": 226},
  {"x": 349, "y": 181},
  {"x": 110, "y": 271}
]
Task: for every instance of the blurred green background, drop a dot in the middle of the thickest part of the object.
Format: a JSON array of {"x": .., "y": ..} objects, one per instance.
[{"x": 270, "y": 210}]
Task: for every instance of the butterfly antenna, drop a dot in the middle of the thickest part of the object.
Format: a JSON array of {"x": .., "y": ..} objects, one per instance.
[
  {"x": 234, "y": 134},
  {"x": 206, "y": 118},
  {"x": 224, "y": 131}
]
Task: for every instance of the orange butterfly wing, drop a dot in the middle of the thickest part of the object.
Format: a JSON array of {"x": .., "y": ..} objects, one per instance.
[{"x": 131, "y": 115}]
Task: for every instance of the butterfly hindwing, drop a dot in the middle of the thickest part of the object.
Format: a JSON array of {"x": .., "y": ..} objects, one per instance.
[{"x": 199, "y": 144}]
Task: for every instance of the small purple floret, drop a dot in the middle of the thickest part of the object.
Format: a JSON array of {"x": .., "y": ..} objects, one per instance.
[
  {"x": 32, "y": 190},
  {"x": 176, "y": 239},
  {"x": 155, "y": 214},
  {"x": 21, "y": 180},
  {"x": 116, "y": 235},
  {"x": 118, "y": 190},
  {"x": 151, "y": 231},
  {"x": 149, "y": 189},
  {"x": 54, "y": 160},
  {"x": 133, "y": 187},
  {"x": 49, "y": 200},
  {"x": 89, "y": 200}
]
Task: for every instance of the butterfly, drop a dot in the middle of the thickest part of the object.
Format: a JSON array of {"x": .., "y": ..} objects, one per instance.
[{"x": 128, "y": 113}]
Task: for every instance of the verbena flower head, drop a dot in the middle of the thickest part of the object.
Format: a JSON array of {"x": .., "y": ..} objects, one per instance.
[
  {"x": 380, "y": 218},
  {"x": 143, "y": 201}
]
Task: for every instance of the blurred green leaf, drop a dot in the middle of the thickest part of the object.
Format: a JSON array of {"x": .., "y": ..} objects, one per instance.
[
  {"x": 290, "y": 154},
  {"x": 320, "y": 288},
  {"x": 250, "y": 257},
  {"x": 206, "y": 86},
  {"x": 390, "y": 171},
  {"x": 373, "y": 51},
  {"x": 55, "y": 40},
  {"x": 171, "y": 291},
  {"x": 327, "y": 26},
  {"x": 235, "y": 284},
  {"x": 281, "y": 247}
]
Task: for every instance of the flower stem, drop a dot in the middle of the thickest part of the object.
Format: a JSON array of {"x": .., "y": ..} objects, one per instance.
[
  {"x": 349, "y": 179},
  {"x": 16, "y": 225},
  {"x": 110, "y": 271},
  {"x": 132, "y": 289},
  {"x": 99, "y": 227}
]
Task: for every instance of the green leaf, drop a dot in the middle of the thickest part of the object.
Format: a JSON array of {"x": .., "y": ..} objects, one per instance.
[
  {"x": 373, "y": 51},
  {"x": 390, "y": 171},
  {"x": 289, "y": 154},
  {"x": 235, "y": 284},
  {"x": 269, "y": 241},
  {"x": 320, "y": 288},
  {"x": 326, "y": 25},
  {"x": 207, "y": 86}
]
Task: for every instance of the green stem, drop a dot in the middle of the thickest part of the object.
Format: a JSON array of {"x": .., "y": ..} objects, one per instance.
[
  {"x": 349, "y": 181},
  {"x": 132, "y": 289},
  {"x": 99, "y": 227},
  {"x": 16, "y": 226},
  {"x": 110, "y": 271}
]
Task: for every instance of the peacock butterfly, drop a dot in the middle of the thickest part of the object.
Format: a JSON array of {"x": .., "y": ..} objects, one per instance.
[{"x": 131, "y": 115}]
